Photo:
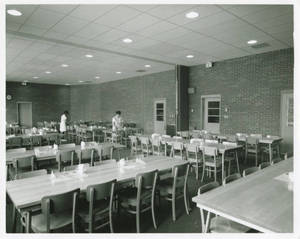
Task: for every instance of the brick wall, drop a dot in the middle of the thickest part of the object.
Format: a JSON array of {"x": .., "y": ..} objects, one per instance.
[
  {"x": 48, "y": 101},
  {"x": 249, "y": 87},
  {"x": 133, "y": 96}
]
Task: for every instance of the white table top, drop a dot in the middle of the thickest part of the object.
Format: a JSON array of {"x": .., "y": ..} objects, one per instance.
[{"x": 259, "y": 200}]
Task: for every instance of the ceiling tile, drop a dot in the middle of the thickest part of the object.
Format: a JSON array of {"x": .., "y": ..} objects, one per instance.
[
  {"x": 32, "y": 30},
  {"x": 174, "y": 33},
  {"x": 244, "y": 9},
  {"x": 138, "y": 23},
  {"x": 69, "y": 25},
  {"x": 141, "y": 7},
  {"x": 61, "y": 8},
  {"x": 110, "y": 36},
  {"x": 167, "y": 11},
  {"x": 117, "y": 16},
  {"x": 91, "y": 30},
  {"x": 12, "y": 26},
  {"x": 157, "y": 28},
  {"x": 55, "y": 35},
  {"x": 44, "y": 18},
  {"x": 90, "y": 12}
]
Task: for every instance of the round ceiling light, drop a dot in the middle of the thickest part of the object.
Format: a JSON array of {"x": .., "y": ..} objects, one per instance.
[
  {"x": 192, "y": 15},
  {"x": 14, "y": 12}
]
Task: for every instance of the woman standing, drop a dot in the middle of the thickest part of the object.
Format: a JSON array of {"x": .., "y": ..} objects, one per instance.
[{"x": 63, "y": 124}]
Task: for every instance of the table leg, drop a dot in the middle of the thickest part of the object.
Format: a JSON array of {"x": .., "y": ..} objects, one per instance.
[
  {"x": 270, "y": 153},
  {"x": 28, "y": 222},
  {"x": 14, "y": 218},
  {"x": 223, "y": 156}
]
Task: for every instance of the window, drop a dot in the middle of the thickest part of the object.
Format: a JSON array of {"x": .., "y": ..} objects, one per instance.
[
  {"x": 213, "y": 112},
  {"x": 160, "y": 112}
]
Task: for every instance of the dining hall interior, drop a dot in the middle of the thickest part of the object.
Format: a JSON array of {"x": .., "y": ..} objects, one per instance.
[{"x": 149, "y": 118}]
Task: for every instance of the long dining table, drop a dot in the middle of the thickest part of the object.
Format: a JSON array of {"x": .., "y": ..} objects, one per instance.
[
  {"x": 262, "y": 200},
  {"x": 26, "y": 194}
]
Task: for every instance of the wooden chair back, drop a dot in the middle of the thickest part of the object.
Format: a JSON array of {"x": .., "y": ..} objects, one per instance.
[
  {"x": 15, "y": 141},
  {"x": 31, "y": 174},
  {"x": 231, "y": 178},
  {"x": 264, "y": 165},
  {"x": 210, "y": 151},
  {"x": 63, "y": 157},
  {"x": 36, "y": 140},
  {"x": 207, "y": 187},
  {"x": 87, "y": 154}
]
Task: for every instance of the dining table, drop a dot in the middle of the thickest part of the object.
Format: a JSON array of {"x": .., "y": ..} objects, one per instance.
[
  {"x": 26, "y": 194},
  {"x": 262, "y": 200}
]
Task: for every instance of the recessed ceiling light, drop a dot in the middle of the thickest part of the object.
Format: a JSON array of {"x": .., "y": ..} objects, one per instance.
[
  {"x": 251, "y": 42},
  {"x": 14, "y": 12},
  {"x": 48, "y": 72},
  {"x": 190, "y": 56},
  {"x": 81, "y": 81},
  {"x": 89, "y": 56},
  {"x": 35, "y": 77},
  {"x": 64, "y": 65},
  {"x": 127, "y": 40},
  {"x": 67, "y": 84},
  {"x": 97, "y": 77},
  {"x": 192, "y": 15},
  {"x": 118, "y": 72},
  {"x": 147, "y": 66}
]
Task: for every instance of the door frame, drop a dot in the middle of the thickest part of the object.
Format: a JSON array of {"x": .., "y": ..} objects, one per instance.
[
  {"x": 282, "y": 92},
  {"x": 202, "y": 107},
  {"x": 22, "y": 102},
  {"x": 165, "y": 112}
]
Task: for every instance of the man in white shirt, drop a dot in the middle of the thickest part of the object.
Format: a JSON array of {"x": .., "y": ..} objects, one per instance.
[{"x": 117, "y": 122}]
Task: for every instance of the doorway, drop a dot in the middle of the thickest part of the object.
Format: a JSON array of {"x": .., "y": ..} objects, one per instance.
[
  {"x": 287, "y": 121},
  {"x": 160, "y": 116},
  {"x": 211, "y": 113},
  {"x": 24, "y": 114}
]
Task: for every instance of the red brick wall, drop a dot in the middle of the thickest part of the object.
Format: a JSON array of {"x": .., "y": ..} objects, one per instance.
[
  {"x": 249, "y": 87},
  {"x": 133, "y": 96},
  {"x": 48, "y": 101}
]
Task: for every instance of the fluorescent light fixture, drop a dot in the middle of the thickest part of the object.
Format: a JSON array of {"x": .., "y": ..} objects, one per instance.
[
  {"x": 127, "y": 40},
  {"x": 118, "y": 72},
  {"x": 251, "y": 42},
  {"x": 147, "y": 66},
  {"x": 48, "y": 72},
  {"x": 190, "y": 56},
  {"x": 97, "y": 77},
  {"x": 192, "y": 15},
  {"x": 67, "y": 84},
  {"x": 14, "y": 12},
  {"x": 35, "y": 77},
  {"x": 89, "y": 56},
  {"x": 64, "y": 65},
  {"x": 81, "y": 81}
]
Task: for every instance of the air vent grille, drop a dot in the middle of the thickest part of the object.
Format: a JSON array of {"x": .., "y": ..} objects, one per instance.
[{"x": 261, "y": 45}]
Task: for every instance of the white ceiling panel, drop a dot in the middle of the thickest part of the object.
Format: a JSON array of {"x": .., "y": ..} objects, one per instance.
[
  {"x": 162, "y": 37},
  {"x": 44, "y": 18},
  {"x": 117, "y": 16},
  {"x": 138, "y": 23},
  {"x": 91, "y": 12},
  {"x": 69, "y": 25}
]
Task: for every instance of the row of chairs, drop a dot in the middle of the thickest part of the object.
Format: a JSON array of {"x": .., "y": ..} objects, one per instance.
[{"x": 61, "y": 210}]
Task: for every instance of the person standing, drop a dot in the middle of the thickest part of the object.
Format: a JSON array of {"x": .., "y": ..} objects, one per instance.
[
  {"x": 117, "y": 122},
  {"x": 63, "y": 122}
]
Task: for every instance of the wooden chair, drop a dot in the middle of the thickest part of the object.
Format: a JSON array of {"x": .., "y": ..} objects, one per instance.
[
  {"x": 211, "y": 161},
  {"x": 106, "y": 152},
  {"x": 58, "y": 211},
  {"x": 64, "y": 157},
  {"x": 85, "y": 135},
  {"x": 193, "y": 155},
  {"x": 141, "y": 198},
  {"x": 165, "y": 147},
  {"x": 177, "y": 150},
  {"x": 31, "y": 174},
  {"x": 87, "y": 155},
  {"x": 52, "y": 138},
  {"x": 135, "y": 145},
  {"x": 36, "y": 140},
  {"x": 276, "y": 160},
  {"x": 156, "y": 146},
  {"x": 231, "y": 178},
  {"x": 146, "y": 145},
  {"x": 98, "y": 135},
  {"x": 231, "y": 156},
  {"x": 252, "y": 147},
  {"x": 22, "y": 165},
  {"x": 264, "y": 165},
  {"x": 19, "y": 150},
  {"x": 248, "y": 171},
  {"x": 14, "y": 142},
  {"x": 174, "y": 188},
  {"x": 98, "y": 205}
]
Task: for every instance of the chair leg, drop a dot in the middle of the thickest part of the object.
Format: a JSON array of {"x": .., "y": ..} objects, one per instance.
[
  {"x": 185, "y": 196},
  {"x": 215, "y": 174},
  {"x": 138, "y": 221},
  {"x": 173, "y": 208},
  {"x": 14, "y": 218},
  {"x": 203, "y": 171},
  {"x": 153, "y": 211},
  {"x": 237, "y": 162}
]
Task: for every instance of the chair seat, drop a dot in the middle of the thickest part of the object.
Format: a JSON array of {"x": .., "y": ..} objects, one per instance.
[
  {"x": 100, "y": 212},
  {"x": 212, "y": 163},
  {"x": 57, "y": 221},
  {"x": 166, "y": 186},
  {"x": 222, "y": 225},
  {"x": 128, "y": 197}
]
